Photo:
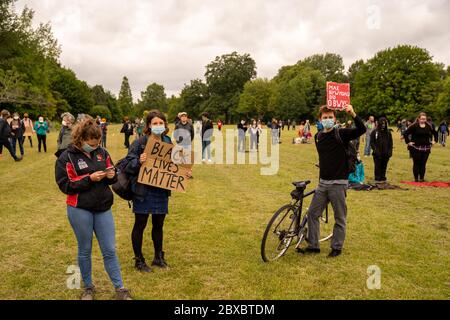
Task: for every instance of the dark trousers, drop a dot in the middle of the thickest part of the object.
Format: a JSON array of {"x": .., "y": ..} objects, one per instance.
[
  {"x": 127, "y": 141},
  {"x": 29, "y": 139},
  {"x": 138, "y": 233},
  {"x": 14, "y": 143},
  {"x": 104, "y": 141},
  {"x": 42, "y": 140},
  {"x": 420, "y": 159},
  {"x": 381, "y": 164},
  {"x": 8, "y": 146}
]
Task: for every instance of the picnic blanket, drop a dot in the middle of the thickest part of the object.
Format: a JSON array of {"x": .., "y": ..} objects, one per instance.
[{"x": 436, "y": 184}]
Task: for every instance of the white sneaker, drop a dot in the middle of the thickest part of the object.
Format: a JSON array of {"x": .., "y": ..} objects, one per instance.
[
  {"x": 210, "y": 161},
  {"x": 203, "y": 160}
]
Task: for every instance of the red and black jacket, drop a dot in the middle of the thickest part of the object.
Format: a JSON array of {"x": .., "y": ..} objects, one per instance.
[{"x": 72, "y": 172}]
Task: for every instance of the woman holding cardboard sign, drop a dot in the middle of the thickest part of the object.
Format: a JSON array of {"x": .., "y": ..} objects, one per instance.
[{"x": 148, "y": 199}]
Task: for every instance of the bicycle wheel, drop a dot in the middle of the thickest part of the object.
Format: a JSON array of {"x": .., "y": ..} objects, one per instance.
[
  {"x": 279, "y": 233},
  {"x": 326, "y": 224}
]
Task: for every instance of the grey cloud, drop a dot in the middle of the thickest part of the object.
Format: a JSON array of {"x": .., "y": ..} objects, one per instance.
[{"x": 171, "y": 42}]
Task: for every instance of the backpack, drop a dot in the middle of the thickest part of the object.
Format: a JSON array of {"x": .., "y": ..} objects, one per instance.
[{"x": 350, "y": 151}]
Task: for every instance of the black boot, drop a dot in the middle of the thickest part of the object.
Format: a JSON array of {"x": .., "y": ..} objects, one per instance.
[
  {"x": 140, "y": 265},
  {"x": 159, "y": 260}
]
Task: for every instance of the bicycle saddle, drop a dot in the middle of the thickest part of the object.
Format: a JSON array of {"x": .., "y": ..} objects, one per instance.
[{"x": 301, "y": 184}]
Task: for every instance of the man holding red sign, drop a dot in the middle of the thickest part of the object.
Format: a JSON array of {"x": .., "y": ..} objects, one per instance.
[{"x": 338, "y": 95}]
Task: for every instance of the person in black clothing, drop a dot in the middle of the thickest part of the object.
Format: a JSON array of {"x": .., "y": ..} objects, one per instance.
[
  {"x": 334, "y": 171},
  {"x": 420, "y": 137},
  {"x": 184, "y": 131},
  {"x": 127, "y": 130},
  {"x": 207, "y": 132},
  {"x": 17, "y": 131},
  {"x": 5, "y": 134},
  {"x": 381, "y": 144}
]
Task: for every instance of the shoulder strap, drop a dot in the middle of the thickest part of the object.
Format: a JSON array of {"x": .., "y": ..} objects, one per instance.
[{"x": 338, "y": 136}]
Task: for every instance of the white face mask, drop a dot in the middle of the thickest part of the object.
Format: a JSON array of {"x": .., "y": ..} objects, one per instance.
[
  {"x": 41, "y": 119},
  {"x": 16, "y": 118}
]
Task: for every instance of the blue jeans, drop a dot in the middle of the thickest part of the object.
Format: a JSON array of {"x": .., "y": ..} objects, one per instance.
[
  {"x": 84, "y": 224},
  {"x": 206, "y": 149},
  {"x": 367, "y": 146},
  {"x": 14, "y": 142}
]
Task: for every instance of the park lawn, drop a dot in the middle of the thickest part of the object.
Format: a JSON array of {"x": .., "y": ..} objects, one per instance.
[{"x": 213, "y": 234}]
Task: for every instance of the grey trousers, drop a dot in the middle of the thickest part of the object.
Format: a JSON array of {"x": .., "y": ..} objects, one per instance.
[{"x": 336, "y": 194}]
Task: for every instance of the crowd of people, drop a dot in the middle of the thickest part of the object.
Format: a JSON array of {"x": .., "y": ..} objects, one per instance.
[{"x": 84, "y": 171}]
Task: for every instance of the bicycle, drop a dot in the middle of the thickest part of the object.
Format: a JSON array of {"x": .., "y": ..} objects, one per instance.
[{"x": 295, "y": 227}]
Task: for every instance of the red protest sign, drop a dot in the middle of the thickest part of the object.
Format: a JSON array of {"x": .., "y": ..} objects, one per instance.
[{"x": 338, "y": 95}]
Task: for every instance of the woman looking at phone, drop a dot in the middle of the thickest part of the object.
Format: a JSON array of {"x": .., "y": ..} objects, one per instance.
[{"x": 85, "y": 172}]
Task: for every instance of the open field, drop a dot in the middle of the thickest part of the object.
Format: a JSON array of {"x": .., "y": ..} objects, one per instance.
[{"x": 213, "y": 234}]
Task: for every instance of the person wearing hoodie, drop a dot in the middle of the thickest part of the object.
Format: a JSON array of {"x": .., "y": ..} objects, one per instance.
[
  {"x": 17, "y": 131},
  {"x": 381, "y": 144},
  {"x": 41, "y": 128}
]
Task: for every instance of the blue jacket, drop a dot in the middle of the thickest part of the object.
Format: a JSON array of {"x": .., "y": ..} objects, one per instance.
[
  {"x": 133, "y": 167},
  {"x": 358, "y": 175}
]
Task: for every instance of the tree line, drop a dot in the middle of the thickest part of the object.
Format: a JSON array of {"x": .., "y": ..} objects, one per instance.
[{"x": 396, "y": 82}]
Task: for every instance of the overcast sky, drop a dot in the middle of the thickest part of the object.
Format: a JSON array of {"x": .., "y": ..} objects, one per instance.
[{"x": 171, "y": 41}]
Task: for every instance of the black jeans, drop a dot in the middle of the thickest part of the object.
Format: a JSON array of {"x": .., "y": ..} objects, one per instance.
[
  {"x": 42, "y": 139},
  {"x": 29, "y": 139},
  {"x": 8, "y": 146},
  {"x": 127, "y": 141},
  {"x": 138, "y": 232},
  {"x": 420, "y": 159},
  {"x": 381, "y": 164}
]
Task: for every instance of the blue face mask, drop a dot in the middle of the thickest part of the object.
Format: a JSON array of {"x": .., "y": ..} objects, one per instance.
[
  {"x": 328, "y": 123},
  {"x": 158, "y": 130},
  {"x": 88, "y": 149}
]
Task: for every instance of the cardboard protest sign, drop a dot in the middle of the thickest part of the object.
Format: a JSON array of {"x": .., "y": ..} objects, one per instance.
[
  {"x": 338, "y": 95},
  {"x": 166, "y": 166}
]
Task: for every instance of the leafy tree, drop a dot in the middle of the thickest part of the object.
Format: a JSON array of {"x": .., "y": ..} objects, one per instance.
[
  {"x": 153, "y": 97},
  {"x": 442, "y": 104},
  {"x": 226, "y": 77},
  {"x": 175, "y": 106},
  {"x": 193, "y": 98},
  {"x": 331, "y": 65},
  {"x": 258, "y": 98},
  {"x": 394, "y": 82},
  {"x": 125, "y": 101},
  {"x": 101, "y": 111}
]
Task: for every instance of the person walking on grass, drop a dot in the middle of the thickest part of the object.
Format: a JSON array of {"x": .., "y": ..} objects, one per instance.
[
  {"x": 65, "y": 134},
  {"x": 207, "y": 133},
  {"x": 85, "y": 172},
  {"x": 334, "y": 171},
  {"x": 381, "y": 144},
  {"x": 5, "y": 134},
  {"x": 148, "y": 200},
  {"x": 41, "y": 128},
  {"x": 443, "y": 133},
  {"x": 29, "y": 129},
  {"x": 17, "y": 131},
  {"x": 254, "y": 133},
  {"x": 104, "y": 128},
  {"x": 420, "y": 137}
]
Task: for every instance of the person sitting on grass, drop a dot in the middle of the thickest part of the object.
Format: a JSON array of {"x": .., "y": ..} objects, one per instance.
[{"x": 334, "y": 171}]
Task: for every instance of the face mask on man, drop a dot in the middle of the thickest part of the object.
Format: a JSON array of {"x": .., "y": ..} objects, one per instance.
[
  {"x": 158, "y": 130},
  {"x": 41, "y": 119},
  {"x": 328, "y": 123},
  {"x": 88, "y": 149},
  {"x": 16, "y": 118},
  {"x": 64, "y": 123}
]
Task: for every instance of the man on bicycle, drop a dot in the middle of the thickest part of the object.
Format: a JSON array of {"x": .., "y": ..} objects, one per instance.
[{"x": 333, "y": 182}]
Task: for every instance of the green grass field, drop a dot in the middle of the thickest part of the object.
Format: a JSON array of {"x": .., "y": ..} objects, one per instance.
[{"x": 213, "y": 234}]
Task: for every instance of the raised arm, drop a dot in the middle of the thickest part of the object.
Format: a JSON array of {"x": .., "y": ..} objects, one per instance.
[{"x": 349, "y": 134}]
